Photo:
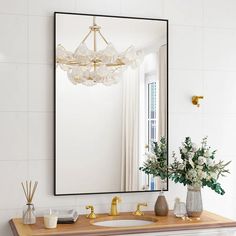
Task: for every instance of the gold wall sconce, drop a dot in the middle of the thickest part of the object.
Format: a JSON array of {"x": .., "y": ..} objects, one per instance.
[{"x": 195, "y": 100}]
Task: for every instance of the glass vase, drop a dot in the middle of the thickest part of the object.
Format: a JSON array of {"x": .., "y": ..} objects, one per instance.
[
  {"x": 29, "y": 216},
  {"x": 179, "y": 208},
  {"x": 194, "y": 202}
]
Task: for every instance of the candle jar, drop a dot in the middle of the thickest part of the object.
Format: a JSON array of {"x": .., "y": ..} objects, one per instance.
[
  {"x": 50, "y": 221},
  {"x": 29, "y": 216}
]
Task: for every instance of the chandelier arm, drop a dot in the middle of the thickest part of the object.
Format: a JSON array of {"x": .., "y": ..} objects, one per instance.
[
  {"x": 94, "y": 41},
  {"x": 86, "y": 36},
  {"x": 94, "y": 20},
  {"x": 94, "y": 47},
  {"x": 104, "y": 39},
  {"x": 115, "y": 69}
]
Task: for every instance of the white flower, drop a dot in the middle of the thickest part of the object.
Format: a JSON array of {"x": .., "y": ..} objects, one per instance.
[
  {"x": 208, "y": 177},
  {"x": 210, "y": 162},
  {"x": 184, "y": 150},
  {"x": 181, "y": 166},
  {"x": 192, "y": 173},
  {"x": 213, "y": 175},
  {"x": 194, "y": 147},
  {"x": 207, "y": 154},
  {"x": 204, "y": 175},
  {"x": 201, "y": 160},
  {"x": 151, "y": 156},
  {"x": 199, "y": 167},
  {"x": 191, "y": 155},
  {"x": 201, "y": 174}
]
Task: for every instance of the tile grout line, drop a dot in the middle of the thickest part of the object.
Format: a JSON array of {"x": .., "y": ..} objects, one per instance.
[
  {"x": 27, "y": 111},
  {"x": 199, "y": 69},
  {"x": 28, "y": 157},
  {"x": 204, "y": 27},
  {"x": 203, "y": 66},
  {"x": 225, "y": 114},
  {"x": 163, "y": 9},
  {"x": 26, "y": 63}
]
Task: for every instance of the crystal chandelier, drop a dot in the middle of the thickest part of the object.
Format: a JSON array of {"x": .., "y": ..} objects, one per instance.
[{"x": 90, "y": 67}]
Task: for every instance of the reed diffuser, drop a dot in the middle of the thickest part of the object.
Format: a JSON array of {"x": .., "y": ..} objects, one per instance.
[{"x": 29, "y": 189}]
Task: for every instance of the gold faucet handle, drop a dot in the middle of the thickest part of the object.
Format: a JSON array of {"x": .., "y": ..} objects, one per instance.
[
  {"x": 91, "y": 215},
  {"x": 138, "y": 212}
]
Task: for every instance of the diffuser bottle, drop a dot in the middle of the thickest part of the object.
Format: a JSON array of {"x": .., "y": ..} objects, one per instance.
[{"x": 29, "y": 216}]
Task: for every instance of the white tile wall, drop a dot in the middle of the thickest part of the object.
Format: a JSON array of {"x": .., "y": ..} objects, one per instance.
[
  {"x": 40, "y": 135},
  {"x": 220, "y": 130},
  {"x": 184, "y": 125},
  {"x": 13, "y": 31},
  {"x": 140, "y": 8},
  {"x": 186, "y": 47},
  {"x": 219, "y": 49},
  {"x": 180, "y": 95},
  {"x": 219, "y": 13},
  {"x": 14, "y": 7},
  {"x": 98, "y": 7},
  {"x": 45, "y": 7},
  {"x": 223, "y": 82},
  {"x": 13, "y": 172},
  {"x": 13, "y": 136},
  {"x": 184, "y": 12},
  {"x": 40, "y": 39},
  {"x": 13, "y": 76},
  {"x": 202, "y": 62},
  {"x": 40, "y": 87}
]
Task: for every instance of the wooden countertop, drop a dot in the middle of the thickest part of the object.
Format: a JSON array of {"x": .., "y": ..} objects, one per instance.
[{"x": 84, "y": 227}]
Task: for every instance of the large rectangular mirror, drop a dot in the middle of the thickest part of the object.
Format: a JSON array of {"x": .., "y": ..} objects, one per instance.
[{"x": 111, "y": 101}]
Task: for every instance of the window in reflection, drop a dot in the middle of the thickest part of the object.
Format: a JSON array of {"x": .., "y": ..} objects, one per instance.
[{"x": 152, "y": 116}]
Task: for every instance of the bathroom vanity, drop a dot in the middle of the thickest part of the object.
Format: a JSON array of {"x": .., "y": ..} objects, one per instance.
[{"x": 209, "y": 224}]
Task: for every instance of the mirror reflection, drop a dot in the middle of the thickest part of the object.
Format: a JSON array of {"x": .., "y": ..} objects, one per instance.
[{"x": 111, "y": 102}]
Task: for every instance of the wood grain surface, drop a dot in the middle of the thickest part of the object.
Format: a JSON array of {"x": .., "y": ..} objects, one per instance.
[{"x": 84, "y": 226}]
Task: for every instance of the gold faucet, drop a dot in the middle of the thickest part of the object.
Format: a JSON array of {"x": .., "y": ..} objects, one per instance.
[
  {"x": 91, "y": 215},
  {"x": 138, "y": 212},
  {"x": 114, "y": 202}
]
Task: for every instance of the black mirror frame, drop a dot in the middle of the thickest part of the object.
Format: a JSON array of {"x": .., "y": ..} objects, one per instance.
[{"x": 54, "y": 64}]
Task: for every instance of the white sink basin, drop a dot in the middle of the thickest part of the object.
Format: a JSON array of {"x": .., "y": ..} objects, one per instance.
[{"x": 123, "y": 223}]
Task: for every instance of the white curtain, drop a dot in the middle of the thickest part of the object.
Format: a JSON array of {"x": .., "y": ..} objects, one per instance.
[
  {"x": 130, "y": 131},
  {"x": 162, "y": 121}
]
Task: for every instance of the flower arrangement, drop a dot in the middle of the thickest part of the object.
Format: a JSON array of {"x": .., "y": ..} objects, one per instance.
[
  {"x": 197, "y": 166},
  {"x": 156, "y": 163}
]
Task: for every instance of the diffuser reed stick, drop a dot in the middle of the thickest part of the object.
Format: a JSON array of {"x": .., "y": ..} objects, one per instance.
[
  {"x": 29, "y": 212},
  {"x": 29, "y": 191}
]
